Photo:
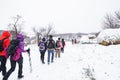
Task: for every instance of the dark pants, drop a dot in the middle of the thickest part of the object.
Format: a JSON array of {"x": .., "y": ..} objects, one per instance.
[
  {"x": 42, "y": 56},
  {"x": 3, "y": 65},
  {"x": 13, "y": 66},
  {"x": 62, "y": 50}
]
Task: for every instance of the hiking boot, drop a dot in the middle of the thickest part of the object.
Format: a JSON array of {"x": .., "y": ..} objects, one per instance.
[
  {"x": 4, "y": 78},
  {"x": 43, "y": 62},
  {"x": 20, "y": 76},
  {"x": 52, "y": 61},
  {"x": 3, "y": 73}
]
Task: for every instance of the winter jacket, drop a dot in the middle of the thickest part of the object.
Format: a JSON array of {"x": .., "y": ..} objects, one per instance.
[
  {"x": 5, "y": 34},
  {"x": 20, "y": 48}
]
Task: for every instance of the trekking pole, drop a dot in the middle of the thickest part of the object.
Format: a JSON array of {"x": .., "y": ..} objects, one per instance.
[{"x": 30, "y": 63}]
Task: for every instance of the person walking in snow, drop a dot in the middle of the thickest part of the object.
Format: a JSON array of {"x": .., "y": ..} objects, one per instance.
[
  {"x": 75, "y": 41},
  {"x": 63, "y": 45},
  {"x": 42, "y": 48},
  {"x": 72, "y": 41},
  {"x": 58, "y": 48},
  {"x": 6, "y": 41},
  {"x": 17, "y": 57},
  {"x": 50, "y": 48}
]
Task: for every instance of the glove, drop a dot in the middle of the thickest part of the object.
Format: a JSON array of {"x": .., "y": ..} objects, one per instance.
[{"x": 28, "y": 50}]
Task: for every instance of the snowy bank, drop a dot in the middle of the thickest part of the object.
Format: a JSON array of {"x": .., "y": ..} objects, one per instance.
[{"x": 109, "y": 36}]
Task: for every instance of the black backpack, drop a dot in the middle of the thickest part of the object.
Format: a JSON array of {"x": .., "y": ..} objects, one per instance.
[
  {"x": 13, "y": 47},
  {"x": 1, "y": 44},
  {"x": 50, "y": 44}
]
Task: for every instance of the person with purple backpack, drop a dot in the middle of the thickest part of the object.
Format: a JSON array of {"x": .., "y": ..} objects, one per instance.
[
  {"x": 42, "y": 48},
  {"x": 17, "y": 58}
]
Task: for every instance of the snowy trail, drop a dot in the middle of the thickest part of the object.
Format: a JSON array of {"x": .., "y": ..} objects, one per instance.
[
  {"x": 61, "y": 69},
  {"x": 78, "y": 61}
]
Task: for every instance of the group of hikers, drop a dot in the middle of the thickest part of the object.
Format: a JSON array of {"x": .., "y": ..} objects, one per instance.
[
  {"x": 74, "y": 41},
  {"x": 14, "y": 48},
  {"x": 52, "y": 47}
]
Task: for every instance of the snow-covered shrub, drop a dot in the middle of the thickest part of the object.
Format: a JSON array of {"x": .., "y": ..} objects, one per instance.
[
  {"x": 109, "y": 36},
  {"x": 89, "y": 73}
]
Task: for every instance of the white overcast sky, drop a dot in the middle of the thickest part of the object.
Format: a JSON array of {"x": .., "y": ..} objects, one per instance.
[{"x": 65, "y": 15}]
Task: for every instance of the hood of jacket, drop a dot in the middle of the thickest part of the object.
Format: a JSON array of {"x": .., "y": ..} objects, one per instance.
[
  {"x": 6, "y": 34},
  {"x": 43, "y": 39}
]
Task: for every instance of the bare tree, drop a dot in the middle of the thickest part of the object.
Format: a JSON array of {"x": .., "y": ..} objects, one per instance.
[
  {"x": 43, "y": 31},
  {"x": 46, "y": 31},
  {"x": 36, "y": 33},
  {"x": 117, "y": 13},
  {"x": 16, "y": 26},
  {"x": 50, "y": 30},
  {"x": 34, "y": 29},
  {"x": 112, "y": 22}
]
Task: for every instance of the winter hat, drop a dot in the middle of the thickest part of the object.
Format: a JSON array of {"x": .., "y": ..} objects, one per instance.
[
  {"x": 51, "y": 36},
  {"x": 43, "y": 39},
  {"x": 58, "y": 38},
  {"x": 6, "y": 34},
  {"x": 20, "y": 37}
]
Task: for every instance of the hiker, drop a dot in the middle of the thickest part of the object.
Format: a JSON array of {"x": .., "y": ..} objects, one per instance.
[
  {"x": 63, "y": 45},
  {"x": 50, "y": 48},
  {"x": 58, "y": 48},
  {"x": 42, "y": 48},
  {"x": 72, "y": 41},
  {"x": 6, "y": 41},
  {"x": 75, "y": 41},
  {"x": 17, "y": 57}
]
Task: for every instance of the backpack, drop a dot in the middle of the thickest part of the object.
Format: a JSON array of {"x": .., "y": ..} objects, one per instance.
[
  {"x": 57, "y": 44},
  {"x": 1, "y": 44},
  {"x": 50, "y": 44},
  {"x": 13, "y": 47},
  {"x": 42, "y": 46}
]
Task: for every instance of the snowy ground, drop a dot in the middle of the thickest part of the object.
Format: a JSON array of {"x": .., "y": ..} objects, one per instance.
[{"x": 79, "y": 62}]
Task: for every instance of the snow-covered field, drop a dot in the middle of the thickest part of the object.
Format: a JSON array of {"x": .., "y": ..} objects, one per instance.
[{"x": 78, "y": 62}]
